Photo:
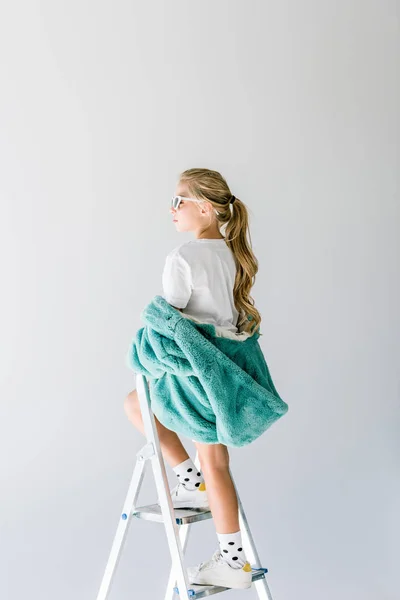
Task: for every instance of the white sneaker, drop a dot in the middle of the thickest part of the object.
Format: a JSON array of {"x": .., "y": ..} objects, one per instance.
[
  {"x": 218, "y": 571},
  {"x": 184, "y": 498}
]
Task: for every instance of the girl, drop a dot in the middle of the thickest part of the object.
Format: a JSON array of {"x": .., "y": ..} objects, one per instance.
[{"x": 209, "y": 279}]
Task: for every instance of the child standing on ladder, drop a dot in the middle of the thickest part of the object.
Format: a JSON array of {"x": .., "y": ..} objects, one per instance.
[{"x": 209, "y": 279}]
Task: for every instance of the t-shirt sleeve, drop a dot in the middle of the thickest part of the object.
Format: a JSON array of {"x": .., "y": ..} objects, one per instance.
[{"x": 177, "y": 281}]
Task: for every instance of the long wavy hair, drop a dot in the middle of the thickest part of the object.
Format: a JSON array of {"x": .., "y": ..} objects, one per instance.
[{"x": 209, "y": 185}]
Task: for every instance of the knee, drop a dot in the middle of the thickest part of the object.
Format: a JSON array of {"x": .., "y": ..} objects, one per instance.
[{"x": 132, "y": 405}]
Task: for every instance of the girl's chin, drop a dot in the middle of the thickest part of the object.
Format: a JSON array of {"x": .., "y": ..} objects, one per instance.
[{"x": 181, "y": 227}]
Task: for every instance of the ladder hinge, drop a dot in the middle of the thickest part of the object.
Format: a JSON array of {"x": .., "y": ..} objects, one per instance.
[{"x": 146, "y": 452}]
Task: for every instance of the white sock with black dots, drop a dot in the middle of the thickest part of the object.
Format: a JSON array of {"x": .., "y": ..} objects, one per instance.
[
  {"x": 189, "y": 474},
  {"x": 230, "y": 546}
]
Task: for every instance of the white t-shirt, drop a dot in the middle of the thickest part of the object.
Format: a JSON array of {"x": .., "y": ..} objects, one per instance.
[{"x": 199, "y": 277}]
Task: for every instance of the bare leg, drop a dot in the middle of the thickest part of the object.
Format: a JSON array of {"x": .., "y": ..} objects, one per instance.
[
  {"x": 214, "y": 460},
  {"x": 172, "y": 448}
]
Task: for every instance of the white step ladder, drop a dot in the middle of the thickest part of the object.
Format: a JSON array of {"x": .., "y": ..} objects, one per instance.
[{"x": 177, "y": 522}]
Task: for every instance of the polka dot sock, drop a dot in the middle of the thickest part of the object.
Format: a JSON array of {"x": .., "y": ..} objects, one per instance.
[
  {"x": 189, "y": 474},
  {"x": 230, "y": 546}
]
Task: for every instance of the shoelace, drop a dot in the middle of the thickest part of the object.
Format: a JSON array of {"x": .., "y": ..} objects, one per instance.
[
  {"x": 176, "y": 489},
  {"x": 216, "y": 558}
]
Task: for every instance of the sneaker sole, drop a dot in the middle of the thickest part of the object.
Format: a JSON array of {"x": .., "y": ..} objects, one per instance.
[
  {"x": 239, "y": 585},
  {"x": 183, "y": 504}
]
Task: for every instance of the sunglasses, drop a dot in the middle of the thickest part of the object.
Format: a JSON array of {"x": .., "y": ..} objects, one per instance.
[{"x": 176, "y": 200}]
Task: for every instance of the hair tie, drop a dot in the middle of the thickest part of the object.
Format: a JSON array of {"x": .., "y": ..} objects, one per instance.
[{"x": 232, "y": 200}]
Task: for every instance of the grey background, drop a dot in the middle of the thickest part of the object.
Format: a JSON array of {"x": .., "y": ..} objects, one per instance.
[{"x": 102, "y": 105}]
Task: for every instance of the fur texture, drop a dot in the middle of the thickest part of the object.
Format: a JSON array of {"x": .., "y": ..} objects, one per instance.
[{"x": 203, "y": 385}]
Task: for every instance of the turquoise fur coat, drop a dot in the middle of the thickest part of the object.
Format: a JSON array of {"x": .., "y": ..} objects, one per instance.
[{"x": 203, "y": 384}]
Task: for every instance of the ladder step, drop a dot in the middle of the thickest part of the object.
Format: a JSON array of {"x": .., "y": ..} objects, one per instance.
[
  {"x": 201, "y": 591},
  {"x": 152, "y": 512},
  {"x": 182, "y": 516}
]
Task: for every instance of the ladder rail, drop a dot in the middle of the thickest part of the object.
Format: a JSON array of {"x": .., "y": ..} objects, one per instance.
[
  {"x": 261, "y": 585},
  {"x": 122, "y": 530},
  {"x": 184, "y": 538},
  {"x": 177, "y": 536},
  {"x": 178, "y": 570}
]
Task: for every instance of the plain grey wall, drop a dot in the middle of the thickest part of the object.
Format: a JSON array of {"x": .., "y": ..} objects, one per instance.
[{"x": 102, "y": 105}]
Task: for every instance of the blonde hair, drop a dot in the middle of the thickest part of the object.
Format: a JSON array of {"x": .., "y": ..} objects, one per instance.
[{"x": 209, "y": 185}]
